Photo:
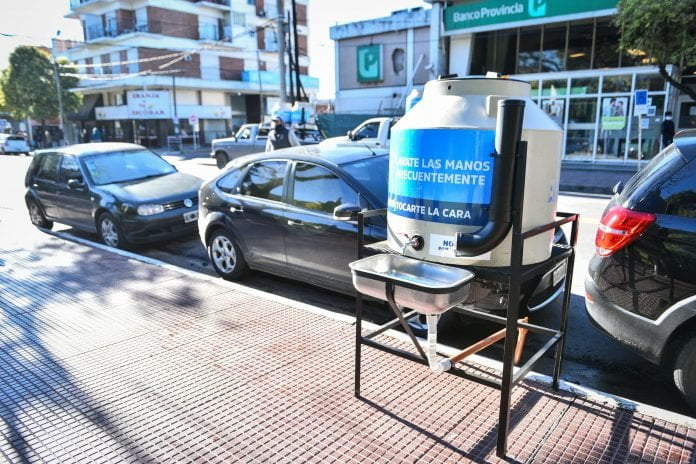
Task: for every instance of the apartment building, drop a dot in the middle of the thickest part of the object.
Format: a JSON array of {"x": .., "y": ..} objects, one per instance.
[{"x": 150, "y": 67}]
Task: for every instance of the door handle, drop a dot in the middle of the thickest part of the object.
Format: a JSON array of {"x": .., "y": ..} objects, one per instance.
[
  {"x": 236, "y": 209},
  {"x": 292, "y": 222}
]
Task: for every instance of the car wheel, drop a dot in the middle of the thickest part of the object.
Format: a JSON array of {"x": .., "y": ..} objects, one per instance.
[
  {"x": 685, "y": 372},
  {"x": 226, "y": 256},
  {"x": 221, "y": 159},
  {"x": 37, "y": 216},
  {"x": 110, "y": 232}
]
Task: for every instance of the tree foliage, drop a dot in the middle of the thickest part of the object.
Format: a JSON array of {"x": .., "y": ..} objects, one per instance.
[
  {"x": 663, "y": 30},
  {"x": 29, "y": 88}
]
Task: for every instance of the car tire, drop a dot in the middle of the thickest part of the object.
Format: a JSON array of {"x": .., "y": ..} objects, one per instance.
[
  {"x": 110, "y": 232},
  {"x": 37, "y": 216},
  {"x": 685, "y": 372},
  {"x": 226, "y": 256},
  {"x": 221, "y": 159}
]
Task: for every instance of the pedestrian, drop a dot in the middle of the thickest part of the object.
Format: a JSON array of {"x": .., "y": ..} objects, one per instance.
[
  {"x": 48, "y": 138},
  {"x": 667, "y": 129},
  {"x": 280, "y": 136},
  {"x": 61, "y": 136},
  {"x": 85, "y": 135},
  {"x": 96, "y": 135}
]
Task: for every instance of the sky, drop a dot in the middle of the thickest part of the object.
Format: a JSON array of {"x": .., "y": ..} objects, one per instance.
[{"x": 35, "y": 22}]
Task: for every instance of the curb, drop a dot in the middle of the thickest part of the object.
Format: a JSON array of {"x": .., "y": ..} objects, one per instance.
[{"x": 578, "y": 390}]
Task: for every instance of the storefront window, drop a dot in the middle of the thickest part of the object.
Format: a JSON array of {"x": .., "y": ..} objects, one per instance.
[
  {"x": 582, "y": 110},
  {"x": 651, "y": 82},
  {"x": 553, "y": 54},
  {"x": 580, "y": 45},
  {"x": 607, "y": 48},
  {"x": 584, "y": 85},
  {"x": 530, "y": 50},
  {"x": 554, "y": 88},
  {"x": 650, "y": 132},
  {"x": 483, "y": 59},
  {"x": 555, "y": 109},
  {"x": 579, "y": 144},
  {"x": 506, "y": 49},
  {"x": 612, "y": 126},
  {"x": 535, "y": 88},
  {"x": 613, "y": 84}
]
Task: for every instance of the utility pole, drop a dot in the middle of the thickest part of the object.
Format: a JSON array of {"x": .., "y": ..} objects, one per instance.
[
  {"x": 280, "y": 21},
  {"x": 298, "y": 82}
]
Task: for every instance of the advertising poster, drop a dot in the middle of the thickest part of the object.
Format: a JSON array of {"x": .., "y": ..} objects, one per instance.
[
  {"x": 614, "y": 111},
  {"x": 555, "y": 108}
]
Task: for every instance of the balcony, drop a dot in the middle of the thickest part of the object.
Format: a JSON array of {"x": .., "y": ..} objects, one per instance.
[
  {"x": 217, "y": 4},
  {"x": 75, "y": 4}
]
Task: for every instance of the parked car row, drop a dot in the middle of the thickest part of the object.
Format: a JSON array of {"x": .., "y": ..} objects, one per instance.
[{"x": 291, "y": 212}]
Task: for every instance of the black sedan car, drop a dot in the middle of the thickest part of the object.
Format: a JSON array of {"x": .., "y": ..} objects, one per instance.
[
  {"x": 641, "y": 283},
  {"x": 280, "y": 212},
  {"x": 123, "y": 192}
]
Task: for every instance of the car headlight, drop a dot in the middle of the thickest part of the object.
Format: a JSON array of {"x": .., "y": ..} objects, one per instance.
[{"x": 149, "y": 210}]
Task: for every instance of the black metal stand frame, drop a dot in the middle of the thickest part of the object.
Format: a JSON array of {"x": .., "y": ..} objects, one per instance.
[{"x": 518, "y": 274}]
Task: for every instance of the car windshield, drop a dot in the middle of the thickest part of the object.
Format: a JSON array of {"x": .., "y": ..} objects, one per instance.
[
  {"x": 126, "y": 166},
  {"x": 372, "y": 174}
]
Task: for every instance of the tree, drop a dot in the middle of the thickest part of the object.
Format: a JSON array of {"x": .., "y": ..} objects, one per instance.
[
  {"x": 28, "y": 85},
  {"x": 664, "y": 30}
]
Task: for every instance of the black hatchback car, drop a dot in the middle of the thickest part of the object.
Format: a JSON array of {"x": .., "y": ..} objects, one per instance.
[
  {"x": 641, "y": 284},
  {"x": 123, "y": 192},
  {"x": 280, "y": 212}
]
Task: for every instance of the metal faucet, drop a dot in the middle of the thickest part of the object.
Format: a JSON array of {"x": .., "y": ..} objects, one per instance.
[{"x": 415, "y": 242}]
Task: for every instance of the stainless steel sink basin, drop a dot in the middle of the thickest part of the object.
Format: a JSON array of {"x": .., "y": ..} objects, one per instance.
[{"x": 422, "y": 286}]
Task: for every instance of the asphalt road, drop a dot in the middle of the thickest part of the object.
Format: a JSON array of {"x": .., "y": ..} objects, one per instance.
[{"x": 591, "y": 358}]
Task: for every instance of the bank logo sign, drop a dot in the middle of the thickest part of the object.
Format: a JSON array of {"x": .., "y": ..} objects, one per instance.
[
  {"x": 490, "y": 12},
  {"x": 537, "y": 8},
  {"x": 369, "y": 63}
]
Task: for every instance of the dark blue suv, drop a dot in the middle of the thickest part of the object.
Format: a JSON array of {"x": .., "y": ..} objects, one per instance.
[{"x": 641, "y": 283}]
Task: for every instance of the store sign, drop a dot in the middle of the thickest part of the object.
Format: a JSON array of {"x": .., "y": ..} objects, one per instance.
[
  {"x": 369, "y": 61},
  {"x": 149, "y": 104},
  {"x": 640, "y": 103},
  {"x": 487, "y": 12}
]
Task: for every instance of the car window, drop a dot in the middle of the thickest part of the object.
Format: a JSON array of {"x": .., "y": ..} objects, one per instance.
[
  {"x": 319, "y": 189},
  {"x": 244, "y": 134},
  {"x": 368, "y": 131},
  {"x": 228, "y": 182},
  {"x": 371, "y": 173},
  {"x": 659, "y": 169},
  {"x": 49, "y": 167},
  {"x": 263, "y": 133},
  {"x": 16, "y": 138},
  {"x": 69, "y": 169},
  {"x": 126, "y": 166},
  {"x": 265, "y": 180},
  {"x": 680, "y": 192}
]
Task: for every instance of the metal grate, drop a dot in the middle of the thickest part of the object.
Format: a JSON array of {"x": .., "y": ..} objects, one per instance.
[{"x": 179, "y": 204}]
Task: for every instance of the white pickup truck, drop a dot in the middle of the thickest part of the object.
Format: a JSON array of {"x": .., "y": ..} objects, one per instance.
[
  {"x": 373, "y": 133},
  {"x": 251, "y": 138}
]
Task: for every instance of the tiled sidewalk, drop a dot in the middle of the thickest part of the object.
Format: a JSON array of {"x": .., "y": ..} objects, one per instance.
[{"x": 107, "y": 359}]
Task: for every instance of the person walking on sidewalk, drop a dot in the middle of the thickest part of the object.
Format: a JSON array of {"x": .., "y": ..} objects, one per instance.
[
  {"x": 280, "y": 136},
  {"x": 667, "y": 129}
]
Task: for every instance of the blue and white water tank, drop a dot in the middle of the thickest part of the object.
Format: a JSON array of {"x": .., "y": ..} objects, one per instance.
[{"x": 441, "y": 170}]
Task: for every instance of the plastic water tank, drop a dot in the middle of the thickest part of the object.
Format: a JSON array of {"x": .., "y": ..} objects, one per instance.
[{"x": 441, "y": 170}]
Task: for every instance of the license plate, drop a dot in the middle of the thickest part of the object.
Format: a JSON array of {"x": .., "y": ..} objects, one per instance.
[
  {"x": 559, "y": 274},
  {"x": 191, "y": 216}
]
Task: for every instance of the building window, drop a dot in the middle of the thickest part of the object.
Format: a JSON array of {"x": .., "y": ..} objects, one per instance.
[
  {"x": 607, "y": 49},
  {"x": 554, "y": 47},
  {"x": 528, "y": 58},
  {"x": 238, "y": 19},
  {"x": 141, "y": 20},
  {"x": 398, "y": 60},
  {"x": 580, "y": 45},
  {"x": 613, "y": 84},
  {"x": 585, "y": 85}
]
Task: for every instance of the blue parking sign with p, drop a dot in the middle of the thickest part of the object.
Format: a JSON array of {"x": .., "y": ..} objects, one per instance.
[{"x": 641, "y": 97}]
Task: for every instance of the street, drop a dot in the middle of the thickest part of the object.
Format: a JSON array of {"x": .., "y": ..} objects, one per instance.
[{"x": 591, "y": 358}]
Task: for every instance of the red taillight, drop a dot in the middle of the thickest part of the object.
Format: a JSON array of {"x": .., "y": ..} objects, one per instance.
[{"x": 619, "y": 227}]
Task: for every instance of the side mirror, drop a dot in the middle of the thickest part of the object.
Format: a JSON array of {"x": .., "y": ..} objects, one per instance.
[
  {"x": 350, "y": 135},
  {"x": 346, "y": 212},
  {"x": 76, "y": 184},
  {"x": 618, "y": 188}
]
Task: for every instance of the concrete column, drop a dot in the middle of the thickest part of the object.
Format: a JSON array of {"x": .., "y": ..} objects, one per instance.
[{"x": 436, "y": 53}]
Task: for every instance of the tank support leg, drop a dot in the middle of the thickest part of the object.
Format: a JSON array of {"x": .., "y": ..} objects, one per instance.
[{"x": 513, "y": 308}]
